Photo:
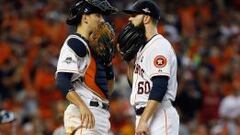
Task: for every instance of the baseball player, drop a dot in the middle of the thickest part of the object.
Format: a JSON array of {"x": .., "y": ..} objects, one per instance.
[
  {"x": 83, "y": 75},
  {"x": 153, "y": 74}
]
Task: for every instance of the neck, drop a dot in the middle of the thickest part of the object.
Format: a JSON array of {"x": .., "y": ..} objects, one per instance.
[
  {"x": 83, "y": 31},
  {"x": 151, "y": 30}
]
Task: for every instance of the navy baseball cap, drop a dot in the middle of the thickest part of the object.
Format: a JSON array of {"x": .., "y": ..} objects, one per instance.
[{"x": 147, "y": 7}]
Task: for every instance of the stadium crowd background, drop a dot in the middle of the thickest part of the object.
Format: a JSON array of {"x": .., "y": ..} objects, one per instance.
[{"x": 204, "y": 33}]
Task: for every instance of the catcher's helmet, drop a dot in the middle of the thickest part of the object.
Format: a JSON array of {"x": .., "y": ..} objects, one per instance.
[
  {"x": 147, "y": 7},
  {"x": 88, "y": 7}
]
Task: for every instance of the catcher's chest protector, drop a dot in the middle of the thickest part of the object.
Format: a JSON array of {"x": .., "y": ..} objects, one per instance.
[{"x": 95, "y": 78}]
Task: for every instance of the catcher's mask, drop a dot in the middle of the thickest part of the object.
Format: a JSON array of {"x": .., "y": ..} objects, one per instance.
[{"x": 88, "y": 7}]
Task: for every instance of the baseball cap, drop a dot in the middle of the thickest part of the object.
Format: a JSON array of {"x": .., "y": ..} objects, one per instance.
[
  {"x": 147, "y": 7},
  {"x": 6, "y": 116}
]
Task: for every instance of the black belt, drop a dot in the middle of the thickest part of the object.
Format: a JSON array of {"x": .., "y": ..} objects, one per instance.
[
  {"x": 96, "y": 104},
  {"x": 139, "y": 111}
]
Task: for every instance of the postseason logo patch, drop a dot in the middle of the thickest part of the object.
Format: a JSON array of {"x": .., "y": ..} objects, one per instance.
[
  {"x": 160, "y": 61},
  {"x": 69, "y": 60}
]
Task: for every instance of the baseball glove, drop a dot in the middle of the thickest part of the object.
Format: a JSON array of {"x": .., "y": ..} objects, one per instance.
[
  {"x": 102, "y": 44},
  {"x": 130, "y": 40}
]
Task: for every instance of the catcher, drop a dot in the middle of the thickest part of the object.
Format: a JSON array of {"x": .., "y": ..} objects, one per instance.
[{"x": 84, "y": 71}]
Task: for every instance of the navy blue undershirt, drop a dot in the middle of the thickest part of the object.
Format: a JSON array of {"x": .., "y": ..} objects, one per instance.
[
  {"x": 63, "y": 82},
  {"x": 159, "y": 88}
]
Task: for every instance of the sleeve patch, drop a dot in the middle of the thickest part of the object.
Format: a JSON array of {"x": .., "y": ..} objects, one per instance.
[
  {"x": 160, "y": 61},
  {"x": 77, "y": 46},
  {"x": 69, "y": 60}
]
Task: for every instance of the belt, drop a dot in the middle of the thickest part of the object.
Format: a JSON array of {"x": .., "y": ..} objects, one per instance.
[
  {"x": 163, "y": 104},
  {"x": 139, "y": 111},
  {"x": 104, "y": 106}
]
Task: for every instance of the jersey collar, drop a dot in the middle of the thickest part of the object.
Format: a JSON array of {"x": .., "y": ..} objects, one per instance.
[{"x": 79, "y": 35}]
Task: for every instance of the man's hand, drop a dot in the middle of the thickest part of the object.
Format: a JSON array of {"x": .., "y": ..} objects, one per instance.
[
  {"x": 149, "y": 111},
  {"x": 86, "y": 116},
  {"x": 142, "y": 128}
]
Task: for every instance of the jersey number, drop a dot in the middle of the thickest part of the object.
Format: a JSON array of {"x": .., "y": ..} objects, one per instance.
[{"x": 143, "y": 87}]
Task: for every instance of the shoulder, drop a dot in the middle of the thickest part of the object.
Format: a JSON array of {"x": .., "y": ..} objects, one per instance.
[
  {"x": 162, "y": 40},
  {"x": 159, "y": 42},
  {"x": 77, "y": 45}
]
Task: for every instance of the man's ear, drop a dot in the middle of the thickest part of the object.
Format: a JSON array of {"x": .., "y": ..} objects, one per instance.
[
  {"x": 146, "y": 19},
  {"x": 85, "y": 18}
]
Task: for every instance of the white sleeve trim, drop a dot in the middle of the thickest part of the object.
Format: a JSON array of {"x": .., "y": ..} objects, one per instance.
[
  {"x": 68, "y": 71},
  {"x": 159, "y": 74}
]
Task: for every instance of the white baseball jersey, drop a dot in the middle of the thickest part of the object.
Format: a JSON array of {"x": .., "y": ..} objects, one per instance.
[
  {"x": 69, "y": 61},
  {"x": 157, "y": 57}
]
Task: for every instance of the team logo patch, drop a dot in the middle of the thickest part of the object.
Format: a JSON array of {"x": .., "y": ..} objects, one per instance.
[
  {"x": 160, "y": 61},
  {"x": 69, "y": 60},
  {"x": 146, "y": 10}
]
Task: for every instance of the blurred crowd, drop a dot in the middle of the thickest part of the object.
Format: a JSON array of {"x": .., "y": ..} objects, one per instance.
[{"x": 204, "y": 33}]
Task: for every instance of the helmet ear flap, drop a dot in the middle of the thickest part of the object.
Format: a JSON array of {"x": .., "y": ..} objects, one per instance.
[
  {"x": 74, "y": 20},
  {"x": 75, "y": 13}
]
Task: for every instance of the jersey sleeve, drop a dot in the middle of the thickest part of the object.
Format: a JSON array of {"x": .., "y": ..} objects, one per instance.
[
  {"x": 69, "y": 55},
  {"x": 158, "y": 62},
  {"x": 67, "y": 61}
]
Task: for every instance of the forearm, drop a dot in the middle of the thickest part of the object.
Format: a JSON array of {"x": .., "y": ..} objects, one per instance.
[
  {"x": 74, "y": 98},
  {"x": 157, "y": 93},
  {"x": 130, "y": 70},
  {"x": 149, "y": 110},
  {"x": 110, "y": 86}
]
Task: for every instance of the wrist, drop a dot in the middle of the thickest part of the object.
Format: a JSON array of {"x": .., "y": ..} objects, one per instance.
[
  {"x": 82, "y": 105},
  {"x": 143, "y": 120}
]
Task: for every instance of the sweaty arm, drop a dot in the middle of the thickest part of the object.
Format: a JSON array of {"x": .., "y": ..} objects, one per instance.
[{"x": 157, "y": 93}]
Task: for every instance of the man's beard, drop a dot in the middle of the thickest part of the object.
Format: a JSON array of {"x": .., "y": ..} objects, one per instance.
[{"x": 141, "y": 28}]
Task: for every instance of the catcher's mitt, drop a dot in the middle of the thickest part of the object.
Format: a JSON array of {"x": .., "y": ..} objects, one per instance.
[
  {"x": 130, "y": 40},
  {"x": 102, "y": 44}
]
